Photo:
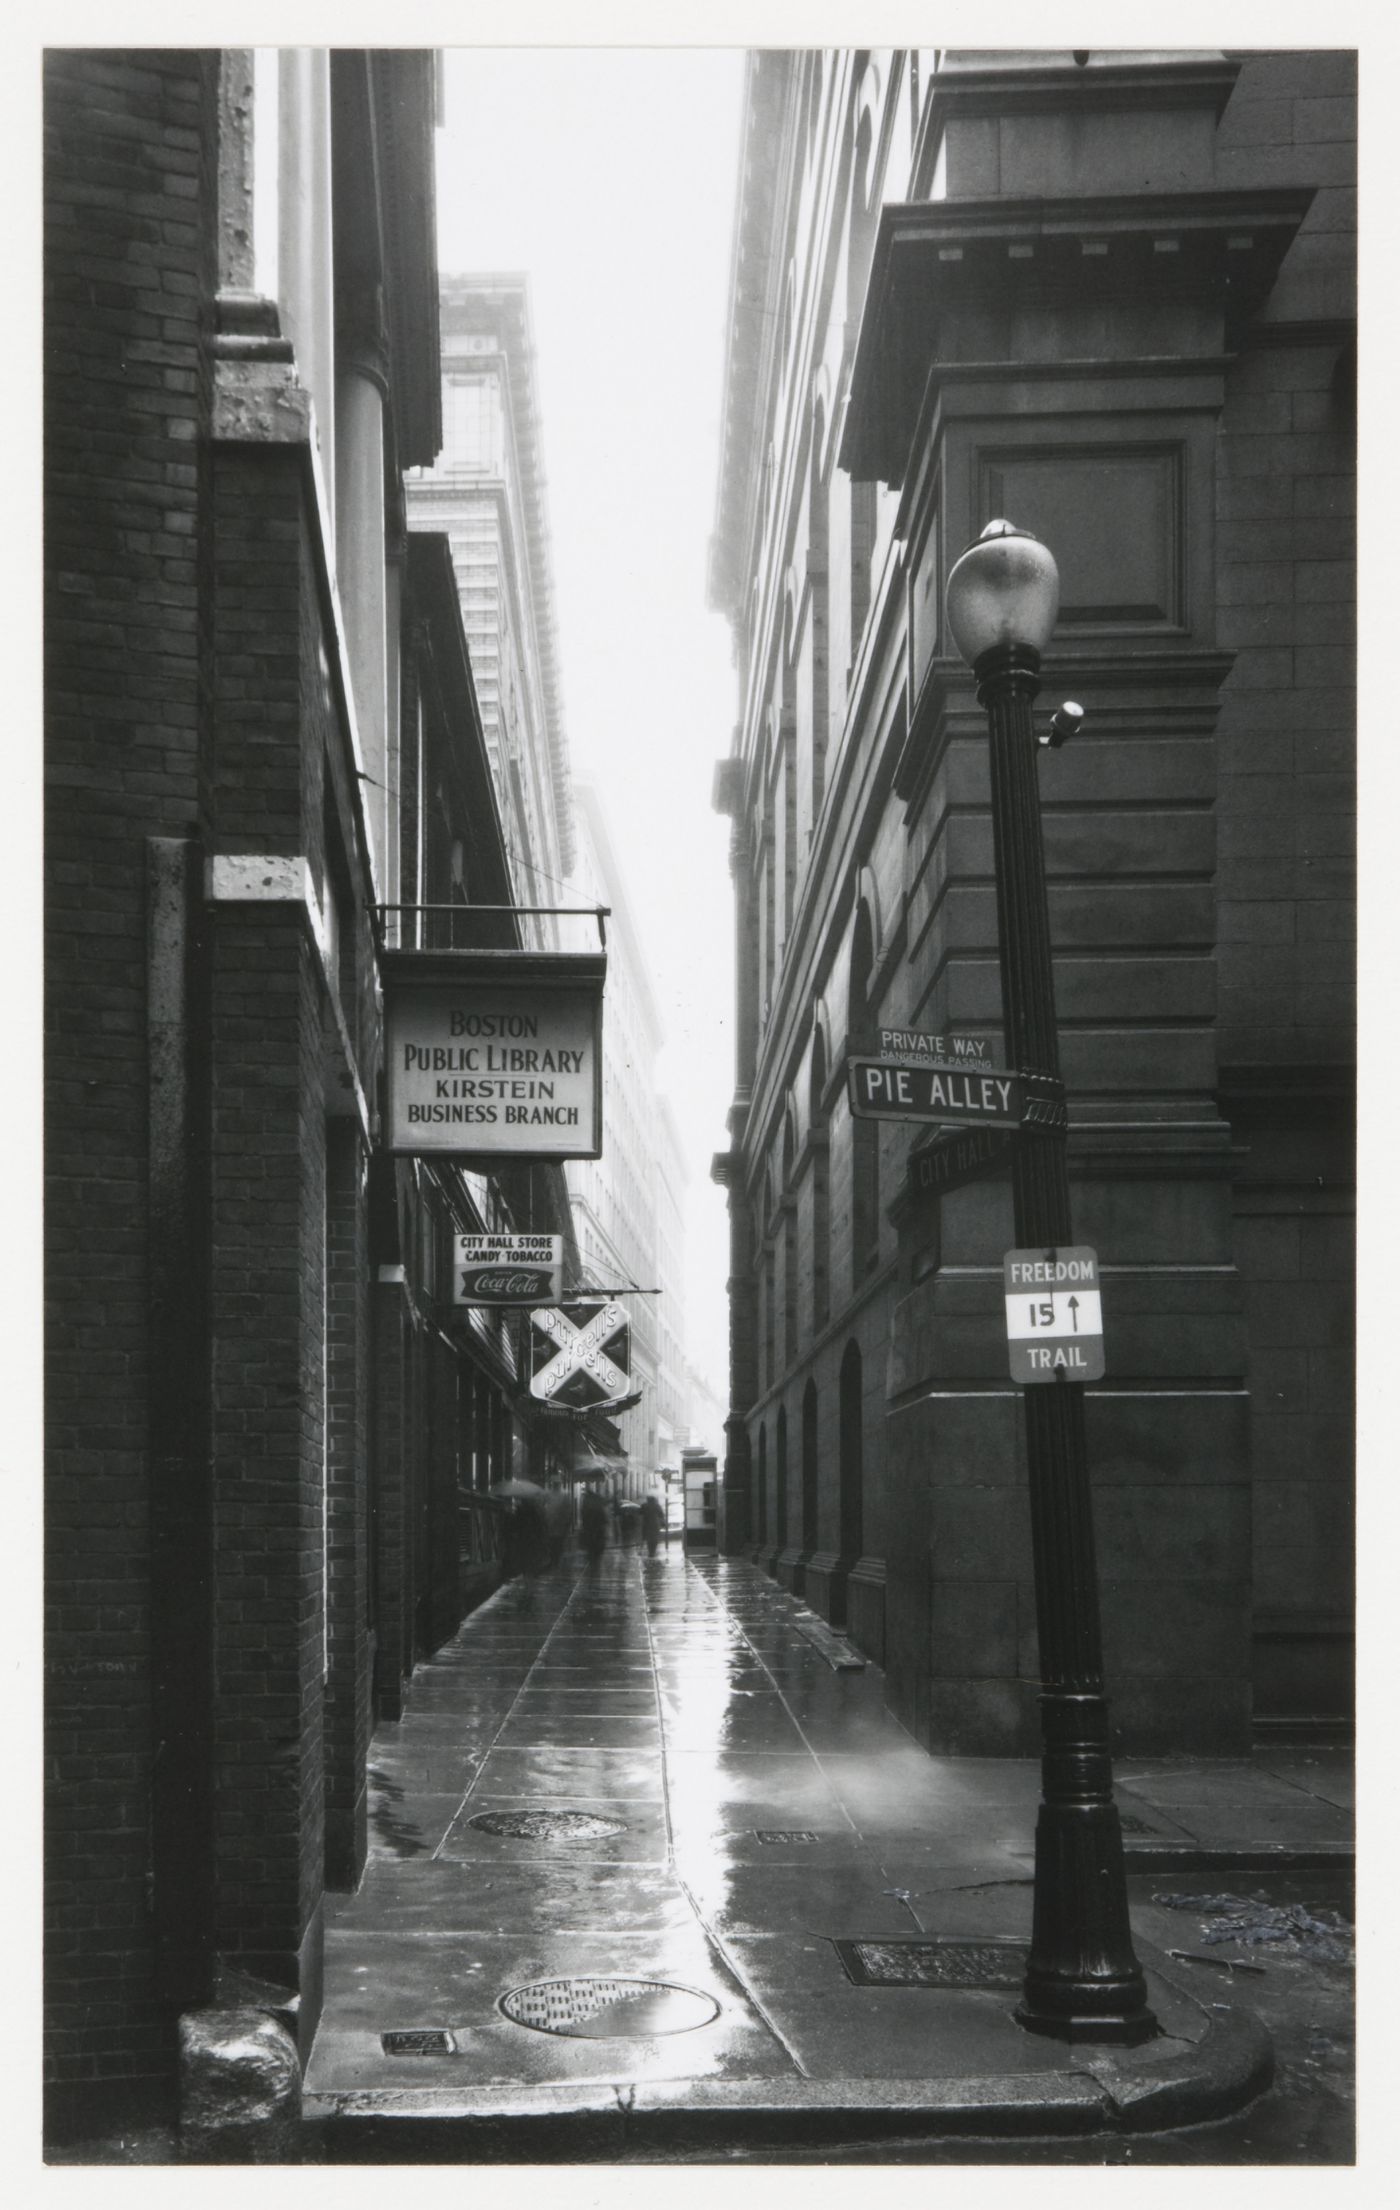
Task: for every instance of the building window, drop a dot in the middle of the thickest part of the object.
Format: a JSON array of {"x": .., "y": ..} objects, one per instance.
[
  {"x": 817, "y": 735},
  {"x": 821, "y": 1186},
  {"x": 865, "y": 1134},
  {"x": 781, "y": 1477},
  {"x": 810, "y": 1496},
  {"x": 850, "y": 1449}
]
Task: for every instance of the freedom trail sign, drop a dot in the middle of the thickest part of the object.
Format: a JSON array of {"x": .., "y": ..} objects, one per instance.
[{"x": 1054, "y": 1317}]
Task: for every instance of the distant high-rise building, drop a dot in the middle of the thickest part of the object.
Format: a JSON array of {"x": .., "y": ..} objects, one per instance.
[
  {"x": 486, "y": 493},
  {"x": 628, "y": 1205}
]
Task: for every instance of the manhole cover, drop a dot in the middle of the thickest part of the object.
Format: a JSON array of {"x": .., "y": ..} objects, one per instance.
[
  {"x": 934, "y": 1963},
  {"x": 548, "y": 1826},
  {"x": 608, "y": 2010},
  {"x": 418, "y": 2041},
  {"x": 784, "y": 1834}
]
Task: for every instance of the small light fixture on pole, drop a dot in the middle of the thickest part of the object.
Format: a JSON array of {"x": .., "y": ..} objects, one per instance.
[{"x": 1083, "y": 1980}]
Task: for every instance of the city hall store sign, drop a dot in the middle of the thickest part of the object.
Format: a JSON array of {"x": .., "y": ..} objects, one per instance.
[{"x": 494, "y": 1053}]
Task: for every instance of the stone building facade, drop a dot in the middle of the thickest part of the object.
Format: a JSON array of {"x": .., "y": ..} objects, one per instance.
[
  {"x": 486, "y": 494},
  {"x": 1110, "y": 296},
  {"x": 267, "y": 1430},
  {"x": 627, "y": 1204}
]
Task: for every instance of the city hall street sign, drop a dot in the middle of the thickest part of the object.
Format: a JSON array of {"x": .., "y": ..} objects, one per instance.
[
  {"x": 494, "y": 1054},
  {"x": 883, "y": 1089},
  {"x": 961, "y": 1156}
]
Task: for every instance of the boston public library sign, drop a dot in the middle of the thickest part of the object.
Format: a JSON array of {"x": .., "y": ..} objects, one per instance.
[{"x": 494, "y": 1053}]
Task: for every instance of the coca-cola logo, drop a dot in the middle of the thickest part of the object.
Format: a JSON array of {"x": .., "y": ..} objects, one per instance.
[{"x": 507, "y": 1282}]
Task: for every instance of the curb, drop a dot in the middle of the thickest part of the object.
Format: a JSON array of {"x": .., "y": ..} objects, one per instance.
[
  {"x": 1264, "y": 1857},
  {"x": 669, "y": 2122}
]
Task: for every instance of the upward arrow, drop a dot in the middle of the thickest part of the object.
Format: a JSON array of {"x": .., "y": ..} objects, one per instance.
[{"x": 1074, "y": 1308}]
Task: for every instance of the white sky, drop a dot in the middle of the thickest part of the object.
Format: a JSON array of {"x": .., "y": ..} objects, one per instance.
[{"x": 608, "y": 175}]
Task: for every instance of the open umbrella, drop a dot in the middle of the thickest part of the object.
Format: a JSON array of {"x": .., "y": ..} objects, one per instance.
[{"x": 509, "y": 1489}]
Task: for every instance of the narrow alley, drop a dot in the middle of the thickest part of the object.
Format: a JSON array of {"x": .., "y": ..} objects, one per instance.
[{"x": 652, "y": 1873}]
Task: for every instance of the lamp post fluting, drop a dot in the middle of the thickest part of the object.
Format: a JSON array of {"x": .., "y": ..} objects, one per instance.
[{"x": 1083, "y": 1980}]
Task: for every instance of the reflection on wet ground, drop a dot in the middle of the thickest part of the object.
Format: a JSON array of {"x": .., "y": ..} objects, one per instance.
[{"x": 746, "y": 1806}]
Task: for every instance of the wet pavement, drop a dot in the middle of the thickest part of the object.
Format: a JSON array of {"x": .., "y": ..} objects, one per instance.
[{"x": 737, "y": 1803}]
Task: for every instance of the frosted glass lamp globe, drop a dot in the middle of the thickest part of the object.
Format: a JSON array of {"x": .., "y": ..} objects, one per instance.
[{"x": 1004, "y": 590}]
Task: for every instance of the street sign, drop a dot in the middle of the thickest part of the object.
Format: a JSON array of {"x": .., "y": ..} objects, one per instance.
[
  {"x": 954, "y": 1159},
  {"x": 508, "y": 1269},
  {"x": 919, "y": 1047},
  {"x": 883, "y": 1089},
  {"x": 1054, "y": 1317},
  {"x": 591, "y": 1353}
]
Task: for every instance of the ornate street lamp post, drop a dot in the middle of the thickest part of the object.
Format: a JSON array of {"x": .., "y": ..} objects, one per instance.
[{"x": 1083, "y": 1980}]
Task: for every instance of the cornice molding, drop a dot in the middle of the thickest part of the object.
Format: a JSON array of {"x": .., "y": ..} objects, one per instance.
[{"x": 933, "y": 258}]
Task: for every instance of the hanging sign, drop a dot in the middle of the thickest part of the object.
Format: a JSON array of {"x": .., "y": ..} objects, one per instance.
[
  {"x": 1054, "y": 1316},
  {"x": 496, "y": 1054},
  {"x": 507, "y": 1269},
  {"x": 582, "y": 1354}
]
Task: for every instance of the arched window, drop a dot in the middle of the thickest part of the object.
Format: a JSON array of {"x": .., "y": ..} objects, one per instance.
[
  {"x": 810, "y": 1495},
  {"x": 785, "y": 798},
  {"x": 864, "y": 213},
  {"x": 865, "y": 1134},
  {"x": 817, "y": 554},
  {"x": 781, "y": 1478},
  {"x": 821, "y": 1184},
  {"x": 789, "y": 1246},
  {"x": 862, "y": 224},
  {"x": 812, "y": 118},
  {"x": 849, "y": 1446},
  {"x": 763, "y": 1485},
  {"x": 768, "y": 908}
]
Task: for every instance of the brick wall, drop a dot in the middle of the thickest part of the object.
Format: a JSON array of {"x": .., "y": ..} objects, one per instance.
[
  {"x": 348, "y": 1680},
  {"x": 267, "y": 1202},
  {"x": 129, "y": 256}
]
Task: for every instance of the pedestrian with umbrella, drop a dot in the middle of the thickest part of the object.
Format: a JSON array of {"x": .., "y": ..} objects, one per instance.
[
  {"x": 526, "y": 1542},
  {"x": 593, "y": 1522},
  {"x": 652, "y": 1523}
]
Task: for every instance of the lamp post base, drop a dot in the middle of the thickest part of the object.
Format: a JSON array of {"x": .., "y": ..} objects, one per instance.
[
  {"x": 1083, "y": 1981},
  {"x": 1125, "y": 2031}
]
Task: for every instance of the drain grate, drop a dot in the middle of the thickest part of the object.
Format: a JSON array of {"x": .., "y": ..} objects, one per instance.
[
  {"x": 608, "y": 2009},
  {"x": 418, "y": 2041},
  {"x": 1132, "y": 1825},
  {"x": 992, "y": 1963},
  {"x": 785, "y": 1834},
  {"x": 548, "y": 1826}
]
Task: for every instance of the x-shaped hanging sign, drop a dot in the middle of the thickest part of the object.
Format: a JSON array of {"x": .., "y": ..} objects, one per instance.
[{"x": 580, "y": 1350}]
